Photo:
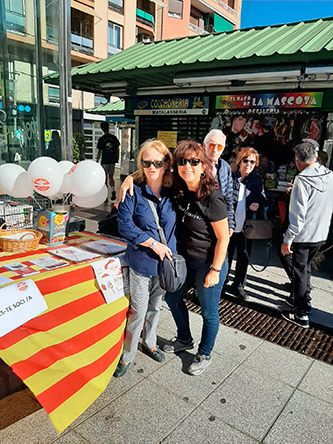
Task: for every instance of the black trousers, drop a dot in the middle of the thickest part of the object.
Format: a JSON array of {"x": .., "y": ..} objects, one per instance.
[
  {"x": 301, "y": 261},
  {"x": 238, "y": 241}
]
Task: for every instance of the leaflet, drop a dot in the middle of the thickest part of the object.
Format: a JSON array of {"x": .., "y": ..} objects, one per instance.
[
  {"x": 74, "y": 254},
  {"x": 21, "y": 269},
  {"x": 48, "y": 263},
  {"x": 104, "y": 247}
]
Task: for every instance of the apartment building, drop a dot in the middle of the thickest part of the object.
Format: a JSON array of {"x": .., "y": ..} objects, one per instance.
[
  {"x": 102, "y": 28},
  {"x": 33, "y": 45}
]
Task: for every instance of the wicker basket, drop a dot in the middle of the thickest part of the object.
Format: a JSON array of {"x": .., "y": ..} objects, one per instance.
[{"x": 14, "y": 245}]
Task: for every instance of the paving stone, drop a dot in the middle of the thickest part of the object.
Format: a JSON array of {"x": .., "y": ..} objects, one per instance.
[
  {"x": 145, "y": 414},
  {"x": 199, "y": 426},
  {"x": 279, "y": 363},
  {"x": 305, "y": 420},
  {"x": 235, "y": 345},
  {"x": 319, "y": 381},
  {"x": 248, "y": 401},
  {"x": 70, "y": 438},
  {"x": 174, "y": 377},
  {"x": 33, "y": 429}
]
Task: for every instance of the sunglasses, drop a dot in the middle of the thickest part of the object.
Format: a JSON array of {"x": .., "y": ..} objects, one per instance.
[
  {"x": 252, "y": 162},
  {"x": 193, "y": 162},
  {"x": 156, "y": 163},
  {"x": 213, "y": 145}
]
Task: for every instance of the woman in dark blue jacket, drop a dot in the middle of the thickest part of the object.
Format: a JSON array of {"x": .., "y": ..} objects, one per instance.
[
  {"x": 137, "y": 226},
  {"x": 249, "y": 196}
]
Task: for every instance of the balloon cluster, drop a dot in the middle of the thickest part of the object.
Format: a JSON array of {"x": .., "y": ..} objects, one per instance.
[{"x": 85, "y": 180}]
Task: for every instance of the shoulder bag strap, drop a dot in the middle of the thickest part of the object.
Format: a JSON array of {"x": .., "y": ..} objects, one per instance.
[{"x": 159, "y": 228}]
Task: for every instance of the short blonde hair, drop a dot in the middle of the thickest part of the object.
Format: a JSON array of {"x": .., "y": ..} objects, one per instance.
[{"x": 159, "y": 146}]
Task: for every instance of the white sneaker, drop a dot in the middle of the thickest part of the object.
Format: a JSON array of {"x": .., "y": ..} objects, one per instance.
[{"x": 199, "y": 364}]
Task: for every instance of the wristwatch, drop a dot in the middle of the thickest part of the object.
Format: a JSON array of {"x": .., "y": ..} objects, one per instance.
[{"x": 153, "y": 245}]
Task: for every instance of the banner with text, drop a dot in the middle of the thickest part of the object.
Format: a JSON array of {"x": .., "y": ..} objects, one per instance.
[
  {"x": 184, "y": 105},
  {"x": 270, "y": 100}
]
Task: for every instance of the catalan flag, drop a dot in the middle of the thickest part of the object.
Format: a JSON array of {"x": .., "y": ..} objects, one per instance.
[{"x": 66, "y": 355}]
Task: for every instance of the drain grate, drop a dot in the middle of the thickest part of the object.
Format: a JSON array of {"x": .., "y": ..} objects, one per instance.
[{"x": 311, "y": 342}]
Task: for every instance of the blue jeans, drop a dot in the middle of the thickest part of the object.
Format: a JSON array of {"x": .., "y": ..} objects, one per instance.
[{"x": 209, "y": 299}]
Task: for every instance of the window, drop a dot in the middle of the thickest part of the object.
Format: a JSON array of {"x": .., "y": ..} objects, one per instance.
[
  {"x": 175, "y": 8},
  {"x": 197, "y": 17},
  {"x": 82, "y": 31},
  {"x": 52, "y": 18},
  {"x": 15, "y": 15},
  {"x": 117, "y": 5},
  {"x": 54, "y": 94},
  {"x": 231, "y": 3},
  {"x": 114, "y": 38}
]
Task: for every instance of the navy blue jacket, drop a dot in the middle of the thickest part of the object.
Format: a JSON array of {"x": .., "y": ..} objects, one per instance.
[
  {"x": 226, "y": 187},
  {"x": 255, "y": 192},
  {"x": 136, "y": 224}
]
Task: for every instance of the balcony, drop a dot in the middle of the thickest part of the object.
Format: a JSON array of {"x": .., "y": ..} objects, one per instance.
[
  {"x": 116, "y": 5},
  {"x": 112, "y": 50},
  {"x": 82, "y": 44},
  {"x": 145, "y": 18},
  {"x": 196, "y": 29}
]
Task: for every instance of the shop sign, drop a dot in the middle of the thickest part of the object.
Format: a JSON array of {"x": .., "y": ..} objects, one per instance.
[
  {"x": 184, "y": 105},
  {"x": 272, "y": 101},
  {"x": 169, "y": 138}
]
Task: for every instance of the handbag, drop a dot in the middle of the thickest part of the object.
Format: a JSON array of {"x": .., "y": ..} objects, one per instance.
[
  {"x": 172, "y": 274},
  {"x": 258, "y": 229}
]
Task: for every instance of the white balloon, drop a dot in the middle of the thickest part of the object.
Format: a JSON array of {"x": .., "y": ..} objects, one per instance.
[
  {"x": 45, "y": 175},
  {"x": 92, "y": 201},
  {"x": 86, "y": 178},
  {"x": 22, "y": 186},
  {"x": 9, "y": 173},
  {"x": 65, "y": 166}
]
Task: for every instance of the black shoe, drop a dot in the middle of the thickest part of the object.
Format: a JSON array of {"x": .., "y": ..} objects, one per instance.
[
  {"x": 300, "y": 320},
  {"x": 238, "y": 292},
  {"x": 113, "y": 195}
]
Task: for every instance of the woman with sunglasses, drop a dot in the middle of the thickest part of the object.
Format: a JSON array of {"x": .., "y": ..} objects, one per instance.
[
  {"x": 137, "y": 226},
  {"x": 203, "y": 241},
  {"x": 249, "y": 196}
]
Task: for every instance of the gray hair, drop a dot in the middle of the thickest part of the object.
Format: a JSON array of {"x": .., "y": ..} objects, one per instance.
[
  {"x": 306, "y": 152},
  {"x": 214, "y": 132}
]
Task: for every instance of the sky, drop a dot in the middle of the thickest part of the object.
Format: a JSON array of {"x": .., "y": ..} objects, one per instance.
[{"x": 274, "y": 12}]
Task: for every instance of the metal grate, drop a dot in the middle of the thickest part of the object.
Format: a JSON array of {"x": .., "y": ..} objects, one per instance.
[{"x": 312, "y": 342}]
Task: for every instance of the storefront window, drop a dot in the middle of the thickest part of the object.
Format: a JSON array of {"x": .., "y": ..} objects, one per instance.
[{"x": 29, "y": 109}]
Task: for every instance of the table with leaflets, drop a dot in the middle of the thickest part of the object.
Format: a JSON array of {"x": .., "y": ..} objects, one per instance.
[{"x": 67, "y": 354}]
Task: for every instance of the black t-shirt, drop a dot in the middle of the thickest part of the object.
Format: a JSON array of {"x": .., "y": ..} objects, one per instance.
[
  {"x": 196, "y": 234},
  {"x": 108, "y": 144}
]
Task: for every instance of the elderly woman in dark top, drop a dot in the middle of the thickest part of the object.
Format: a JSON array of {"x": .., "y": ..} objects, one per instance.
[
  {"x": 249, "y": 197},
  {"x": 137, "y": 226},
  {"x": 203, "y": 241}
]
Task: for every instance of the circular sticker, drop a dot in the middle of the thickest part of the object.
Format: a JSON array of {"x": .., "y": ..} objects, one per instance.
[
  {"x": 59, "y": 219},
  {"x": 42, "y": 221},
  {"x": 41, "y": 184},
  {"x": 21, "y": 286}
]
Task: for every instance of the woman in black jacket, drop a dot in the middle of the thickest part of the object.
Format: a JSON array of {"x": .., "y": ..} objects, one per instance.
[{"x": 249, "y": 196}]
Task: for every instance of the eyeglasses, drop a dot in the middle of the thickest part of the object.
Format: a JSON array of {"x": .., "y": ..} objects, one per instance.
[
  {"x": 252, "y": 162},
  {"x": 156, "y": 163},
  {"x": 218, "y": 146},
  {"x": 193, "y": 162}
]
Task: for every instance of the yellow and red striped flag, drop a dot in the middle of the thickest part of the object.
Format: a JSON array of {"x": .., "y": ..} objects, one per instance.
[{"x": 66, "y": 355}]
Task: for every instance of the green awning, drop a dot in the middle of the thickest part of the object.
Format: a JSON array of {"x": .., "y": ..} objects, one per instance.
[
  {"x": 117, "y": 107},
  {"x": 155, "y": 64}
]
